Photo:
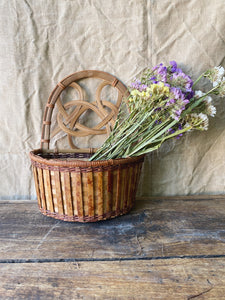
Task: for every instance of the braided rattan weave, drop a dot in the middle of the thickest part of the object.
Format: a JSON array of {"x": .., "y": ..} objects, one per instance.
[{"x": 76, "y": 190}]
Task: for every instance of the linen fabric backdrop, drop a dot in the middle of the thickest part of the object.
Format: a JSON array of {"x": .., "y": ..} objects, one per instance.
[{"x": 43, "y": 41}]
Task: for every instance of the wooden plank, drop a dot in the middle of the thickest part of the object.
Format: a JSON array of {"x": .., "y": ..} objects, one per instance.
[
  {"x": 181, "y": 197},
  {"x": 174, "y": 279},
  {"x": 163, "y": 228}
]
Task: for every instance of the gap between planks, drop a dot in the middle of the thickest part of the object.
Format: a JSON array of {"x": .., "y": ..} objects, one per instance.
[
  {"x": 155, "y": 198},
  {"x": 107, "y": 259}
]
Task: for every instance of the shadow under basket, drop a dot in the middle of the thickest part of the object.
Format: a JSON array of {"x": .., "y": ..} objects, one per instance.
[
  {"x": 84, "y": 191},
  {"x": 70, "y": 187}
]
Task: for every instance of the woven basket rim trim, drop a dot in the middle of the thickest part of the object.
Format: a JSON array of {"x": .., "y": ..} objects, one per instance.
[{"x": 77, "y": 163}]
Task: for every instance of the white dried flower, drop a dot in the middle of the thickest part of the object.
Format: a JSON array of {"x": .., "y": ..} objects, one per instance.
[
  {"x": 220, "y": 71},
  {"x": 208, "y": 99},
  {"x": 198, "y": 121},
  {"x": 199, "y": 94},
  {"x": 221, "y": 89},
  {"x": 215, "y": 75},
  {"x": 211, "y": 110},
  {"x": 188, "y": 125},
  {"x": 205, "y": 121}
]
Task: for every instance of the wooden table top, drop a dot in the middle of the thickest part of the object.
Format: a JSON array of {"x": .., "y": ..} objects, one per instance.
[{"x": 165, "y": 248}]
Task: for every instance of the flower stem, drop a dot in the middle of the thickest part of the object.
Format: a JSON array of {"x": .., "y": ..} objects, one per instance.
[{"x": 197, "y": 80}]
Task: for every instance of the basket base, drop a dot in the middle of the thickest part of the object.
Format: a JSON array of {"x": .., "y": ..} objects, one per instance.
[{"x": 86, "y": 219}]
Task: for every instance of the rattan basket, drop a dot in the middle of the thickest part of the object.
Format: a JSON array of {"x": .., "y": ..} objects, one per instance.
[{"x": 76, "y": 190}]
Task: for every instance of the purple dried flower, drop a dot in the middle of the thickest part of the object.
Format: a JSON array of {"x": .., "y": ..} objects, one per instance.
[
  {"x": 138, "y": 85},
  {"x": 143, "y": 87},
  {"x": 173, "y": 66},
  {"x": 171, "y": 130},
  {"x": 183, "y": 80},
  {"x": 160, "y": 72},
  {"x": 179, "y": 135},
  {"x": 186, "y": 101},
  {"x": 177, "y": 93},
  {"x": 190, "y": 95}
]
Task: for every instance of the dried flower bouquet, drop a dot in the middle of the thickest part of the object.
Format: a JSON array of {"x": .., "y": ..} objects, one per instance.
[{"x": 162, "y": 104}]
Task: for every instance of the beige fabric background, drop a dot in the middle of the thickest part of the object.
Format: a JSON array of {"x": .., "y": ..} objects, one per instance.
[{"x": 42, "y": 41}]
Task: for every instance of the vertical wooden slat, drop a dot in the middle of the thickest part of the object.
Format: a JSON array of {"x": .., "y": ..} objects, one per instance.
[
  {"x": 90, "y": 194},
  {"x": 104, "y": 185},
  {"x": 52, "y": 176},
  {"x": 48, "y": 190},
  {"x": 114, "y": 189},
  {"x": 74, "y": 199},
  {"x": 123, "y": 189},
  {"x": 126, "y": 187},
  {"x": 130, "y": 185},
  {"x": 37, "y": 185},
  {"x": 78, "y": 194},
  {"x": 109, "y": 191},
  {"x": 99, "y": 188},
  {"x": 59, "y": 193},
  {"x": 68, "y": 198},
  {"x": 137, "y": 169},
  {"x": 118, "y": 190},
  {"x": 42, "y": 189}
]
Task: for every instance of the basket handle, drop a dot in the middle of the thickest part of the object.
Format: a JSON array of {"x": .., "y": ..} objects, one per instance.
[{"x": 110, "y": 79}]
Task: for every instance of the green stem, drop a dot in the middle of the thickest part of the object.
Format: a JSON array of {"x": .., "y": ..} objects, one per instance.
[
  {"x": 150, "y": 140},
  {"x": 197, "y": 80},
  {"x": 132, "y": 129},
  {"x": 196, "y": 103}
]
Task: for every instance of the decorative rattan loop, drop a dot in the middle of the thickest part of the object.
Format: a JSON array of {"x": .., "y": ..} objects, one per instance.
[
  {"x": 61, "y": 85},
  {"x": 50, "y": 105},
  {"x": 115, "y": 81},
  {"x": 45, "y": 141},
  {"x": 69, "y": 119}
]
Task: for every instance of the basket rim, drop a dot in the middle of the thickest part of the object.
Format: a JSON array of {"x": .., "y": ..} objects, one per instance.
[{"x": 34, "y": 156}]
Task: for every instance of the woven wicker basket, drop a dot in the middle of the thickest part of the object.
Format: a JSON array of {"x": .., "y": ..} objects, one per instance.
[{"x": 77, "y": 190}]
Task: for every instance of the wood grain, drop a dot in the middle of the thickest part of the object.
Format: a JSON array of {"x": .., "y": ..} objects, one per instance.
[
  {"x": 166, "y": 248},
  {"x": 157, "y": 228},
  {"x": 174, "y": 279}
]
